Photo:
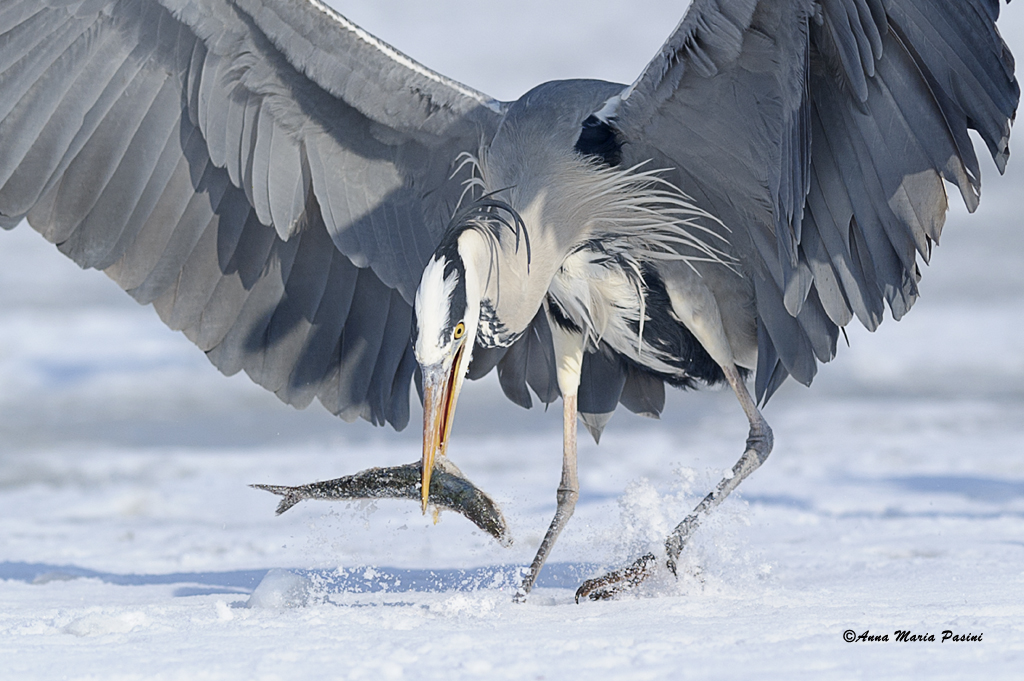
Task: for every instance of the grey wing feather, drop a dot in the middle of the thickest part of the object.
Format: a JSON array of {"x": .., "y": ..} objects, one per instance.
[
  {"x": 783, "y": 120},
  {"x": 484, "y": 360},
  {"x": 268, "y": 175},
  {"x": 643, "y": 393},
  {"x": 602, "y": 379},
  {"x": 607, "y": 380},
  {"x": 529, "y": 363}
]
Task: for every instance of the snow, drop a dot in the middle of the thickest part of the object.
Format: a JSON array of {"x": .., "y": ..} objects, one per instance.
[{"x": 131, "y": 546}]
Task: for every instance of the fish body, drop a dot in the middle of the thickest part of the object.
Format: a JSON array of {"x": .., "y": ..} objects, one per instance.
[{"x": 449, "y": 489}]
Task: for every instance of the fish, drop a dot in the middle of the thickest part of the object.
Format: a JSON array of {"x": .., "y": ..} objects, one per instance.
[{"x": 449, "y": 489}]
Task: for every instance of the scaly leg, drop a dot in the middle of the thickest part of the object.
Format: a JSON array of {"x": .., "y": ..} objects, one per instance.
[
  {"x": 759, "y": 445},
  {"x": 569, "y": 361},
  {"x": 568, "y": 493}
]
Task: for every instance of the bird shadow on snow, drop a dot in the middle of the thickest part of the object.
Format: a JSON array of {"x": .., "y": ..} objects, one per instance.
[
  {"x": 328, "y": 581},
  {"x": 988, "y": 491},
  {"x": 970, "y": 487}
]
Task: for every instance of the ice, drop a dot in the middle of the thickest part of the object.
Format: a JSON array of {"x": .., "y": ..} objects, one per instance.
[
  {"x": 130, "y": 542},
  {"x": 281, "y": 589},
  {"x": 101, "y": 623}
]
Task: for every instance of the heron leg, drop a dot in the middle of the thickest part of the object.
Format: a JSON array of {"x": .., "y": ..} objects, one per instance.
[
  {"x": 758, "y": 447},
  {"x": 569, "y": 359},
  {"x": 568, "y": 493}
]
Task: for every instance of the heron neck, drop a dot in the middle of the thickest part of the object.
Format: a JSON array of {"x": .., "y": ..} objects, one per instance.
[{"x": 509, "y": 284}]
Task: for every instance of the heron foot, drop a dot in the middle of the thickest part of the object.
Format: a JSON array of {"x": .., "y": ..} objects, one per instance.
[
  {"x": 615, "y": 582},
  {"x": 759, "y": 446}
]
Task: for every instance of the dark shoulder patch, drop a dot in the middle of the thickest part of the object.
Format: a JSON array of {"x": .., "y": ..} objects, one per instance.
[{"x": 599, "y": 139}]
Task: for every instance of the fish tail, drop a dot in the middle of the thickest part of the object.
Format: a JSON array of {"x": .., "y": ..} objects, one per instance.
[{"x": 290, "y": 494}]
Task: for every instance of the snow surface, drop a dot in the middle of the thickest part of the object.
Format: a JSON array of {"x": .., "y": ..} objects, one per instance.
[{"x": 131, "y": 547}]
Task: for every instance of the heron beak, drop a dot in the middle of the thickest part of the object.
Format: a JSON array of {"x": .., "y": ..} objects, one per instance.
[{"x": 439, "y": 398}]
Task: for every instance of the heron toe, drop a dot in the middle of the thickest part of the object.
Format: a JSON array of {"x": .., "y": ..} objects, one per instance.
[{"x": 615, "y": 582}]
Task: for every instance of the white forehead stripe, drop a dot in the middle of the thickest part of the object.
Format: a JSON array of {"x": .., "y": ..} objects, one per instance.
[{"x": 433, "y": 308}]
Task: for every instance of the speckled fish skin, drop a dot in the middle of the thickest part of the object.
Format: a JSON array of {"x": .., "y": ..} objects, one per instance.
[{"x": 449, "y": 489}]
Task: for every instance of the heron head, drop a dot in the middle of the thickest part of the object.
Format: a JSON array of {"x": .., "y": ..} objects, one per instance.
[{"x": 447, "y": 307}]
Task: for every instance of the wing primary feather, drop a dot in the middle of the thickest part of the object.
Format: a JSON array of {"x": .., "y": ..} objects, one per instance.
[
  {"x": 198, "y": 214},
  {"x": 512, "y": 374},
  {"x": 88, "y": 175},
  {"x": 293, "y": 319},
  {"x": 821, "y": 332},
  {"x": 398, "y": 408},
  {"x": 249, "y": 260},
  {"x": 942, "y": 52},
  {"x": 767, "y": 364},
  {"x": 102, "y": 226},
  {"x": 14, "y": 15},
  {"x": 96, "y": 103},
  {"x": 322, "y": 344},
  {"x": 28, "y": 112},
  {"x": 285, "y": 181},
  {"x": 643, "y": 393},
  {"x": 234, "y": 123},
  {"x": 484, "y": 359},
  {"x": 28, "y": 42},
  {"x": 259, "y": 170},
  {"x": 360, "y": 343},
  {"x": 203, "y": 269},
  {"x": 393, "y": 347},
  {"x": 244, "y": 345},
  {"x": 602, "y": 379},
  {"x": 841, "y": 37},
  {"x": 182, "y": 137},
  {"x": 142, "y": 253},
  {"x": 540, "y": 364},
  {"x": 826, "y": 282},
  {"x": 194, "y": 81},
  {"x": 789, "y": 338},
  {"x": 530, "y": 361},
  {"x": 830, "y": 203}
]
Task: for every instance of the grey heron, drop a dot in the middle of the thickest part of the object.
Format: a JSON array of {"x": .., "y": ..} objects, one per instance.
[{"x": 311, "y": 206}]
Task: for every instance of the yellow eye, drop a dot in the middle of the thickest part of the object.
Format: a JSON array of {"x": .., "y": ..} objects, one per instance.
[{"x": 460, "y": 329}]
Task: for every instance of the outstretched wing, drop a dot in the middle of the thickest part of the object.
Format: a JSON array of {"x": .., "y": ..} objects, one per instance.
[
  {"x": 820, "y": 132},
  {"x": 271, "y": 177}
]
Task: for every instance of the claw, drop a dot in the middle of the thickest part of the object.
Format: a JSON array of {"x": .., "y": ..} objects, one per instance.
[{"x": 613, "y": 583}]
